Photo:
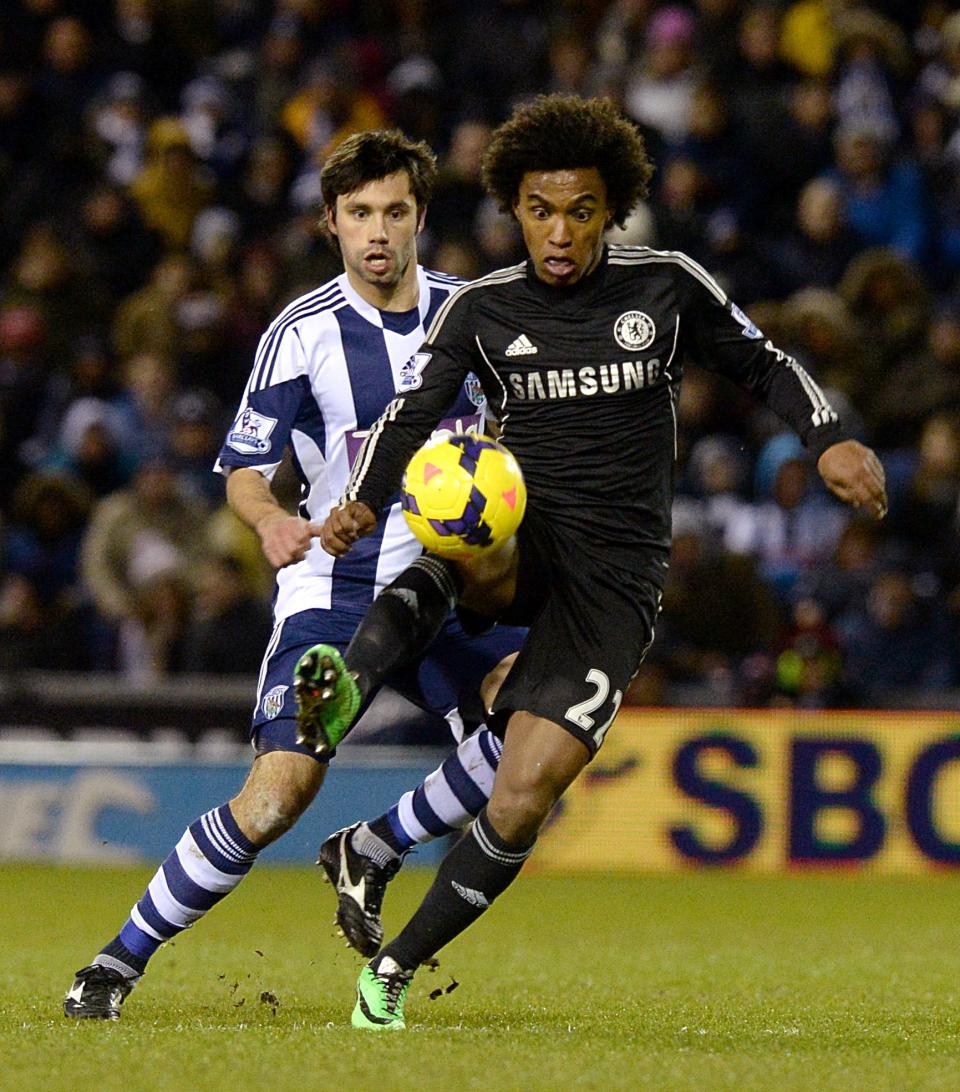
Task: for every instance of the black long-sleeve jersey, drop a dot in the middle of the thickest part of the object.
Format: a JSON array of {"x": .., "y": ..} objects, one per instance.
[{"x": 584, "y": 382}]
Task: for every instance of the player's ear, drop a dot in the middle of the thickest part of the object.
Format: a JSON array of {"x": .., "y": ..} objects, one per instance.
[
  {"x": 421, "y": 218},
  {"x": 330, "y": 219}
]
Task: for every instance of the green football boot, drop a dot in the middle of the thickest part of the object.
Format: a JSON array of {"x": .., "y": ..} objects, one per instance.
[
  {"x": 327, "y": 698},
  {"x": 380, "y": 996}
]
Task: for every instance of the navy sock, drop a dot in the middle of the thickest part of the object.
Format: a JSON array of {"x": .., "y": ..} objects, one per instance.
[
  {"x": 384, "y": 831},
  {"x": 206, "y": 864},
  {"x": 117, "y": 950}
]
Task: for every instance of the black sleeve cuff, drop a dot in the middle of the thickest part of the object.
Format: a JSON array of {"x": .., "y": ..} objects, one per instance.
[{"x": 819, "y": 439}]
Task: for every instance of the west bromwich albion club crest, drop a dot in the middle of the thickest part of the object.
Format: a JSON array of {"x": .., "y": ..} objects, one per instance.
[
  {"x": 273, "y": 702},
  {"x": 474, "y": 391},
  {"x": 634, "y": 330}
]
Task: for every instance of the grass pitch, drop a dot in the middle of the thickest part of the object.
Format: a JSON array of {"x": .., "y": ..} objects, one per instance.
[{"x": 695, "y": 981}]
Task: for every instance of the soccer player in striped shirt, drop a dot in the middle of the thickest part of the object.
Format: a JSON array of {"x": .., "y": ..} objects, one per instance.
[{"x": 324, "y": 372}]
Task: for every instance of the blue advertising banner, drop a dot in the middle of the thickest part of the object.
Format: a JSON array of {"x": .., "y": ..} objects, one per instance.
[
  {"x": 128, "y": 812},
  {"x": 671, "y": 789}
]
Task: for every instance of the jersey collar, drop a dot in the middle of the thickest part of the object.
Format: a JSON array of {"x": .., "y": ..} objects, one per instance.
[{"x": 373, "y": 314}]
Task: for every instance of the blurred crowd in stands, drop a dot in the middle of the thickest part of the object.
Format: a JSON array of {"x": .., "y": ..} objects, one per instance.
[{"x": 159, "y": 164}]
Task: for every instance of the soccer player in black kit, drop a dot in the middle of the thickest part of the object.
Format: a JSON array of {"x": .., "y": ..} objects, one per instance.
[{"x": 580, "y": 350}]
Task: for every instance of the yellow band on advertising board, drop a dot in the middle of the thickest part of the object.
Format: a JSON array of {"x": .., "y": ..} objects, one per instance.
[{"x": 764, "y": 790}]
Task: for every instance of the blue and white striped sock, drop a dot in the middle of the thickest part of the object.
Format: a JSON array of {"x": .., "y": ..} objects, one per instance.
[
  {"x": 207, "y": 863},
  {"x": 451, "y": 796}
]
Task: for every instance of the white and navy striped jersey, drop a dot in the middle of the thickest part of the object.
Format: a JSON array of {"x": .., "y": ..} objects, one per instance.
[{"x": 325, "y": 369}]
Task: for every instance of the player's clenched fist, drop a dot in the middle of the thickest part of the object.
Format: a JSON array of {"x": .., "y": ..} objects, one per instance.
[
  {"x": 345, "y": 525},
  {"x": 855, "y": 474},
  {"x": 286, "y": 539}
]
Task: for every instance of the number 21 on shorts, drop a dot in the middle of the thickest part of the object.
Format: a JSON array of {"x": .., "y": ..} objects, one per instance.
[{"x": 579, "y": 714}]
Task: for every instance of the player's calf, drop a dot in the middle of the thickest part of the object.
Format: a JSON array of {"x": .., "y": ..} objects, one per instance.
[
  {"x": 540, "y": 760},
  {"x": 479, "y": 868},
  {"x": 210, "y": 860},
  {"x": 398, "y": 627}
]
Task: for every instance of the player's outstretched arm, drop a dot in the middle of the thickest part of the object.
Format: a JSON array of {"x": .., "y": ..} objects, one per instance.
[
  {"x": 284, "y": 539},
  {"x": 854, "y": 473},
  {"x": 345, "y": 524}
]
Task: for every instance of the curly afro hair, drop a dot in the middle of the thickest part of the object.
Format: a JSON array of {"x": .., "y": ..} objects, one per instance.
[{"x": 564, "y": 132}]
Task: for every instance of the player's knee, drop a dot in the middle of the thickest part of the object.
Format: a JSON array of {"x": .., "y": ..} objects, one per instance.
[
  {"x": 278, "y": 816},
  {"x": 264, "y": 817},
  {"x": 489, "y": 581},
  {"x": 277, "y": 792}
]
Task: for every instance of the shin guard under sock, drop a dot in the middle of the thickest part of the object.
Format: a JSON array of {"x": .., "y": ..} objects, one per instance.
[{"x": 402, "y": 621}]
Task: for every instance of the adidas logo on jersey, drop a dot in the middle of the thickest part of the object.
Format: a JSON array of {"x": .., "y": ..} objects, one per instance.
[
  {"x": 475, "y": 898},
  {"x": 523, "y": 346}
]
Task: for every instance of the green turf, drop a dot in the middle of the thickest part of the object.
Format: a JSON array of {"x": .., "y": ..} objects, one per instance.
[{"x": 698, "y": 981}]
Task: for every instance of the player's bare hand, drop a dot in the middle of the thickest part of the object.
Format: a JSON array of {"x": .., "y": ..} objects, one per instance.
[
  {"x": 285, "y": 539},
  {"x": 853, "y": 472},
  {"x": 345, "y": 525}
]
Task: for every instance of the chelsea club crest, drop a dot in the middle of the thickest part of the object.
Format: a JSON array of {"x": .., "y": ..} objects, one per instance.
[{"x": 634, "y": 330}]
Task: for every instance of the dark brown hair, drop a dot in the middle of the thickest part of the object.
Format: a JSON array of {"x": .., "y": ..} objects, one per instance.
[
  {"x": 375, "y": 154},
  {"x": 564, "y": 132}
]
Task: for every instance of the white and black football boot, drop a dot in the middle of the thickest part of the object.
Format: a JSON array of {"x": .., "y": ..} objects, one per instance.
[
  {"x": 360, "y": 884},
  {"x": 97, "y": 994}
]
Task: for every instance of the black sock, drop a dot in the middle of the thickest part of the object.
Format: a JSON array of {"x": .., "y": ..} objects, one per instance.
[
  {"x": 478, "y": 868},
  {"x": 402, "y": 621}
]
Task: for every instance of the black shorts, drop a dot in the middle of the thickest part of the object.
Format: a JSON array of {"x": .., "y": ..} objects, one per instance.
[{"x": 590, "y": 627}]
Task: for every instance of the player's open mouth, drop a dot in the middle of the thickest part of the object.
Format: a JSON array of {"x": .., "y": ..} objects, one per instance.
[
  {"x": 559, "y": 267},
  {"x": 377, "y": 262}
]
